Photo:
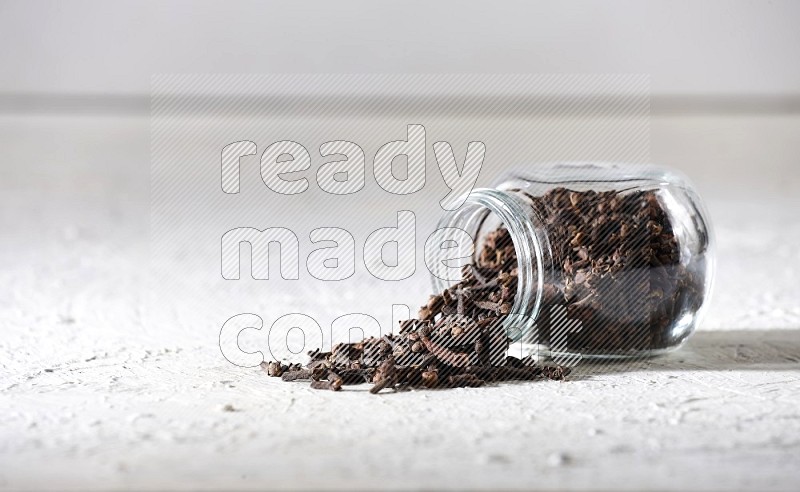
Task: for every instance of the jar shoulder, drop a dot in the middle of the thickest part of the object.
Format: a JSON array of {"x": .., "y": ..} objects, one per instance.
[{"x": 579, "y": 175}]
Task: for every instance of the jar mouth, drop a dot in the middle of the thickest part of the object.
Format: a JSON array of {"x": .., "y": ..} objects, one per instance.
[{"x": 515, "y": 215}]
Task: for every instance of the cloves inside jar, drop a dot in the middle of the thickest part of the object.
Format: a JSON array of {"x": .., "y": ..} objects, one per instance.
[{"x": 610, "y": 260}]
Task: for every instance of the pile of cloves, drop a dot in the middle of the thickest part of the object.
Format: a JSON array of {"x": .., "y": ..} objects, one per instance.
[{"x": 457, "y": 340}]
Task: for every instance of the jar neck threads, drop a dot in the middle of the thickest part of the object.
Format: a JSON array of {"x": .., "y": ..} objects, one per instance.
[{"x": 530, "y": 243}]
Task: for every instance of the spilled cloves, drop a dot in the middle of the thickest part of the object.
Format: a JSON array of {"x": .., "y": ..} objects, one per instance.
[{"x": 458, "y": 339}]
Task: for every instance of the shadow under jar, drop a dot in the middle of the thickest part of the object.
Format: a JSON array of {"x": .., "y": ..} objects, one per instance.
[{"x": 608, "y": 260}]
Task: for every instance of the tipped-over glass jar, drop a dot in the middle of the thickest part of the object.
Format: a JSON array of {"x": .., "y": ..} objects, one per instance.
[{"x": 609, "y": 260}]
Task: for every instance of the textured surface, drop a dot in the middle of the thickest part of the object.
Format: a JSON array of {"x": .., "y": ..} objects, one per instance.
[{"x": 93, "y": 397}]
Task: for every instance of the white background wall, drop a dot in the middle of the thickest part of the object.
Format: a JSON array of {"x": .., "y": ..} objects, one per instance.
[
  {"x": 725, "y": 76},
  {"x": 689, "y": 47}
]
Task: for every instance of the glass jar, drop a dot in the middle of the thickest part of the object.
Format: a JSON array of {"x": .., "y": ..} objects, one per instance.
[{"x": 612, "y": 260}]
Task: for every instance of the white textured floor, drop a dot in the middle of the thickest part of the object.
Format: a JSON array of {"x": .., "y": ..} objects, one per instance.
[{"x": 93, "y": 397}]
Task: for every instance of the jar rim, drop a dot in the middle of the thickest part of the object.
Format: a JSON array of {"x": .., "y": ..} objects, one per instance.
[{"x": 530, "y": 251}]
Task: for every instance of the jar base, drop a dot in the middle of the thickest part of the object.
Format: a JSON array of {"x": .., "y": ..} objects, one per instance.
[{"x": 542, "y": 353}]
